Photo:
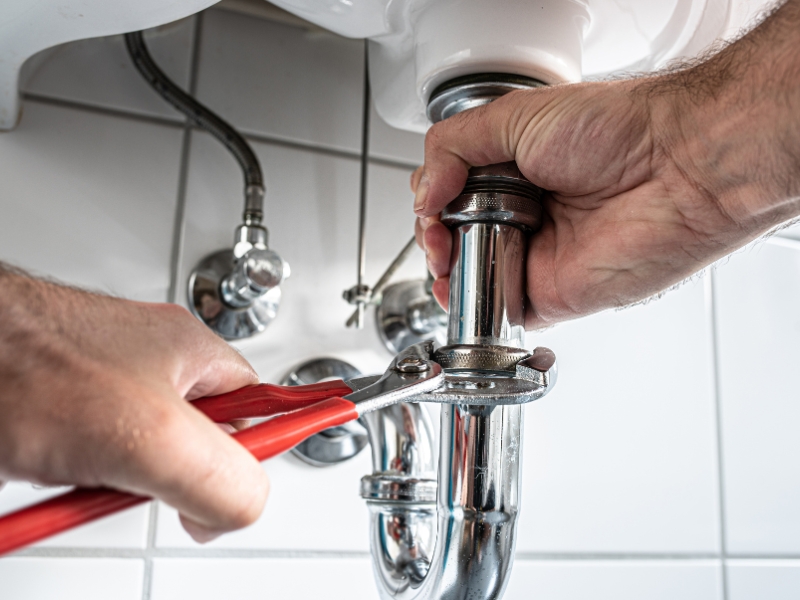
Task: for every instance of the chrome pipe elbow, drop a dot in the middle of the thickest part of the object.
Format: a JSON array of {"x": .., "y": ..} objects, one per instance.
[{"x": 461, "y": 546}]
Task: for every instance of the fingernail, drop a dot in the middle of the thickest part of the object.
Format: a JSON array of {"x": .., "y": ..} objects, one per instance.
[
  {"x": 425, "y": 222},
  {"x": 421, "y": 197},
  {"x": 199, "y": 534},
  {"x": 204, "y": 537}
]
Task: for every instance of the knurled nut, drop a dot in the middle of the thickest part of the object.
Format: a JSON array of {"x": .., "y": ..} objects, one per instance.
[
  {"x": 495, "y": 203},
  {"x": 479, "y": 358},
  {"x": 398, "y": 488}
]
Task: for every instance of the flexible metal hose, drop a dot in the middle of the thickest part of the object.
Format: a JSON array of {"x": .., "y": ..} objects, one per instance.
[{"x": 205, "y": 119}]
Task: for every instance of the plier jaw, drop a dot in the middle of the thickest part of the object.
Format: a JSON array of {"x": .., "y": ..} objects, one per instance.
[
  {"x": 415, "y": 376},
  {"x": 411, "y": 374}
]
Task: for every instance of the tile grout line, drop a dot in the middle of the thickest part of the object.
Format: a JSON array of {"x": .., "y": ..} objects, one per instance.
[
  {"x": 190, "y": 552},
  {"x": 179, "y": 223},
  {"x": 617, "y": 556},
  {"x": 202, "y": 552},
  {"x": 147, "y": 576},
  {"x": 179, "y": 219},
  {"x": 713, "y": 327},
  {"x": 176, "y": 253},
  {"x": 173, "y": 122},
  {"x": 260, "y": 138}
]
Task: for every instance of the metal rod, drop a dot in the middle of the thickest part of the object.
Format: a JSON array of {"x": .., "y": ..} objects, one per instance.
[
  {"x": 362, "y": 205},
  {"x": 386, "y": 277},
  {"x": 392, "y": 268}
]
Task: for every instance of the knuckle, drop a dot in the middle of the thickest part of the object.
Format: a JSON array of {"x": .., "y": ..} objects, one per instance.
[
  {"x": 251, "y": 509},
  {"x": 434, "y": 136},
  {"x": 246, "y": 496},
  {"x": 225, "y": 479}
]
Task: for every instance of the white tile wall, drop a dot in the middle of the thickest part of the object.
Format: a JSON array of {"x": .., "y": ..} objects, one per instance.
[
  {"x": 262, "y": 579},
  {"x": 71, "y": 579},
  {"x": 90, "y": 199},
  {"x": 773, "y": 579},
  {"x": 759, "y": 350},
  {"x": 620, "y": 457},
  {"x": 615, "y": 580},
  {"x": 621, "y": 488},
  {"x": 282, "y": 81}
]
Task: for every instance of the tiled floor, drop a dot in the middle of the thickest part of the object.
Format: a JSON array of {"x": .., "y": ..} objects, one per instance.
[{"x": 621, "y": 488}]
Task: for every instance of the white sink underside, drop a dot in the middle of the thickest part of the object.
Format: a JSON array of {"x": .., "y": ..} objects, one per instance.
[{"x": 418, "y": 44}]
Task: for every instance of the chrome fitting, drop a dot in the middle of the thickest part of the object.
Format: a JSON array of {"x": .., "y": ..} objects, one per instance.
[
  {"x": 412, "y": 364},
  {"x": 237, "y": 292},
  {"x": 254, "y": 274},
  {"x": 479, "y": 358},
  {"x": 253, "y": 204},
  {"x": 497, "y": 194},
  {"x": 471, "y": 91},
  {"x": 398, "y": 488},
  {"x": 248, "y": 237},
  {"x": 491, "y": 220}
]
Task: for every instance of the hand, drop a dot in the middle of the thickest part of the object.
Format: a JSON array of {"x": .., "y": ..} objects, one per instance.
[
  {"x": 650, "y": 180},
  {"x": 94, "y": 390}
]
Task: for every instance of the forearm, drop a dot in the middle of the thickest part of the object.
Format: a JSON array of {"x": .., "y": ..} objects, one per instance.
[
  {"x": 32, "y": 310},
  {"x": 732, "y": 124},
  {"x": 21, "y": 299}
]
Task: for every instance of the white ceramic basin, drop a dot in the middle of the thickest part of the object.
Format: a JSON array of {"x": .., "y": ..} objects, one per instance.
[{"x": 417, "y": 44}]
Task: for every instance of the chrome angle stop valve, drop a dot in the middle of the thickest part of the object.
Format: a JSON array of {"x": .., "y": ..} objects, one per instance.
[{"x": 237, "y": 292}]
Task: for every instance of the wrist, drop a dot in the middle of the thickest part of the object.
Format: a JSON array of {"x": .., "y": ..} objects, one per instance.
[{"x": 730, "y": 125}]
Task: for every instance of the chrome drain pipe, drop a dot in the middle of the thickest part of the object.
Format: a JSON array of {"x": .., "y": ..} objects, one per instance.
[{"x": 453, "y": 538}]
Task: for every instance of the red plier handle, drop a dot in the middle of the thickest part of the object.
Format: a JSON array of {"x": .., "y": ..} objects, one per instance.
[{"x": 310, "y": 409}]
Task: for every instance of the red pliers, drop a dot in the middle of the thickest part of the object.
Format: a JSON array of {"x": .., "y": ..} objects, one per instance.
[{"x": 305, "y": 410}]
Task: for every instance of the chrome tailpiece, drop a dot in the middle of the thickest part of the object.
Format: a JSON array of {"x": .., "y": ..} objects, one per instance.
[{"x": 449, "y": 534}]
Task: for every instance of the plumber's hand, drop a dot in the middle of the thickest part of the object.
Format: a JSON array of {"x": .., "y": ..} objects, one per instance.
[
  {"x": 93, "y": 392},
  {"x": 651, "y": 179}
]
